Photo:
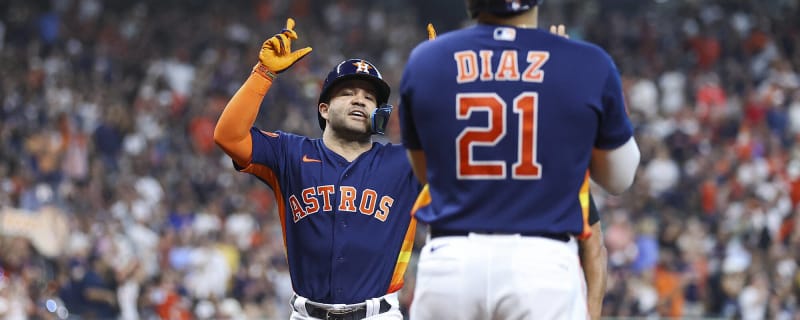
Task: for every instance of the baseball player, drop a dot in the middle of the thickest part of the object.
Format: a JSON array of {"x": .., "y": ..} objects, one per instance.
[
  {"x": 591, "y": 250},
  {"x": 504, "y": 122},
  {"x": 344, "y": 201}
]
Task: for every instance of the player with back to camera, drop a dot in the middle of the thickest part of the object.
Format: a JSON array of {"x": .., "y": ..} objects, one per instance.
[
  {"x": 343, "y": 200},
  {"x": 591, "y": 250},
  {"x": 505, "y": 140}
]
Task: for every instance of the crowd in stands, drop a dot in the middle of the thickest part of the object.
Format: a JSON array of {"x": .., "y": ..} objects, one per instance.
[{"x": 107, "y": 110}]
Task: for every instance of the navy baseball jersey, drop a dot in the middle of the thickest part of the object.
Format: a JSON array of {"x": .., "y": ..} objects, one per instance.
[
  {"x": 508, "y": 129},
  {"x": 347, "y": 226}
]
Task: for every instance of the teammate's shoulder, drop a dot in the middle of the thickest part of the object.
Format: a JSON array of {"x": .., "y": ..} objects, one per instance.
[
  {"x": 591, "y": 47},
  {"x": 442, "y": 40},
  {"x": 423, "y": 47},
  {"x": 587, "y": 48},
  {"x": 582, "y": 53}
]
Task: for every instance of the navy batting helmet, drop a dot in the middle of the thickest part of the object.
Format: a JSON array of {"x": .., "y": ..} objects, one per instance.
[
  {"x": 500, "y": 7},
  {"x": 359, "y": 69}
]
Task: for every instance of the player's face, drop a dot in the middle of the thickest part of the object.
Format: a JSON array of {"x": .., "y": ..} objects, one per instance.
[{"x": 350, "y": 107}]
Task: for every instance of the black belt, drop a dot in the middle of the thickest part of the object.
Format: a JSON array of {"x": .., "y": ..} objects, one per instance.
[
  {"x": 435, "y": 233},
  {"x": 355, "y": 313}
]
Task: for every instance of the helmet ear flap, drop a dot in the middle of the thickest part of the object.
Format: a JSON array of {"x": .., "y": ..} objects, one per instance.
[{"x": 380, "y": 118}]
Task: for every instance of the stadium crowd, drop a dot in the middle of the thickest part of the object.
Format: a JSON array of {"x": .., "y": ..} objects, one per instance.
[{"x": 107, "y": 112}]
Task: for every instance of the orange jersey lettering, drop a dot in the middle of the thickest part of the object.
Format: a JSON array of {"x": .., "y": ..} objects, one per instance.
[
  {"x": 467, "y": 64},
  {"x": 347, "y": 199},
  {"x": 368, "y": 199},
  {"x": 326, "y": 192},
  {"x": 486, "y": 65},
  {"x": 310, "y": 199},
  {"x": 536, "y": 59},
  {"x": 297, "y": 210},
  {"x": 383, "y": 212},
  {"x": 508, "y": 68},
  {"x": 367, "y": 204}
]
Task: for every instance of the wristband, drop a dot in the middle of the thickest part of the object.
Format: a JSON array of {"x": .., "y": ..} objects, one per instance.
[{"x": 262, "y": 70}]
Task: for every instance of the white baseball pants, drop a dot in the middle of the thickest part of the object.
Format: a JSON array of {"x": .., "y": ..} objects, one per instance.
[{"x": 499, "y": 277}]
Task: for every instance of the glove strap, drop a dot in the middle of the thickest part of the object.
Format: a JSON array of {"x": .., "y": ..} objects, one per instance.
[{"x": 264, "y": 72}]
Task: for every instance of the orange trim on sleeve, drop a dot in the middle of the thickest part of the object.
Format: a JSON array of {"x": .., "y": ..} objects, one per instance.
[
  {"x": 403, "y": 258},
  {"x": 267, "y": 175},
  {"x": 232, "y": 132},
  {"x": 423, "y": 199},
  {"x": 583, "y": 197}
]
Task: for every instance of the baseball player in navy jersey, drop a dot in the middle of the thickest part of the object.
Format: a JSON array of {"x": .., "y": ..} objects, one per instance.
[
  {"x": 344, "y": 201},
  {"x": 504, "y": 122},
  {"x": 591, "y": 250}
]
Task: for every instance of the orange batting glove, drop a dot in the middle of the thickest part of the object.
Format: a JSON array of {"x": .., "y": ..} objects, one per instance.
[
  {"x": 276, "y": 53},
  {"x": 431, "y": 32}
]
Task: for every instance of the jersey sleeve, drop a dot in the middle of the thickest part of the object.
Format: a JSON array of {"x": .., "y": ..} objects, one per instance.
[
  {"x": 615, "y": 127},
  {"x": 408, "y": 129},
  {"x": 267, "y": 149}
]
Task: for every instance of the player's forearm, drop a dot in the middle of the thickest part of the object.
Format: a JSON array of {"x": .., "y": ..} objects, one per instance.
[
  {"x": 418, "y": 165},
  {"x": 596, "y": 287},
  {"x": 232, "y": 132},
  {"x": 594, "y": 260}
]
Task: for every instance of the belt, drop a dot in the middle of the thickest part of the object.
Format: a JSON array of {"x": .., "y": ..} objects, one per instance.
[
  {"x": 355, "y": 312},
  {"x": 435, "y": 233}
]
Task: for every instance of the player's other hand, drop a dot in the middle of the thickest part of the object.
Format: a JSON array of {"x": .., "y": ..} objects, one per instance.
[
  {"x": 560, "y": 30},
  {"x": 431, "y": 32},
  {"x": 276, "y": 52}
]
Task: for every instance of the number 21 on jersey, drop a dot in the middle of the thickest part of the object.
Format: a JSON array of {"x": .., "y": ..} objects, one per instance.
[{"x": 525, "y": 167}]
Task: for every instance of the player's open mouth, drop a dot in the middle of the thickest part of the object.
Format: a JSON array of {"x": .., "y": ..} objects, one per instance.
[{"x": 360, "y": 114}]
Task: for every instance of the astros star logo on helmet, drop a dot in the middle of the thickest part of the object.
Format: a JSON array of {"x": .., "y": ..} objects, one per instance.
[{"x": 362, "y": 66}]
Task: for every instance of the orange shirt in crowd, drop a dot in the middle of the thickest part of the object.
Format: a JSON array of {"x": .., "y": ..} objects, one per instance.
[{"x": 669, "y": 287}]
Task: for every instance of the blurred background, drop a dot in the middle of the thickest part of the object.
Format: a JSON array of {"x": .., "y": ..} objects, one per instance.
[{"x": 116, "y": 204}]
